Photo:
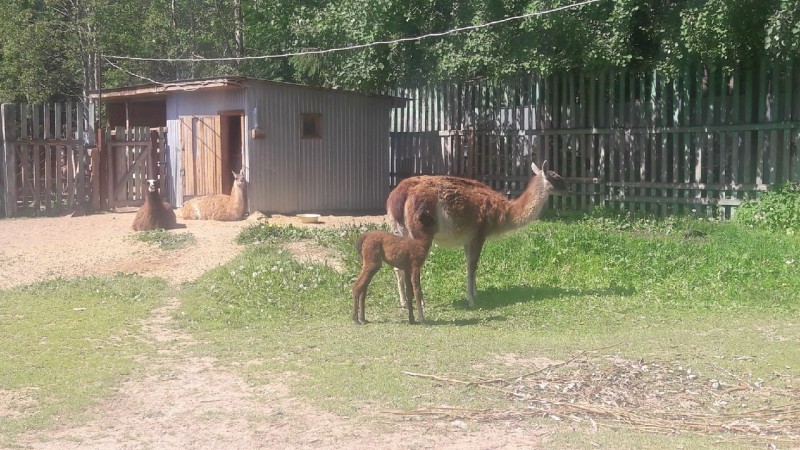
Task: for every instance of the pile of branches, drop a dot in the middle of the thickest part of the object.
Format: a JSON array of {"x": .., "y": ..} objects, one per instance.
[{"x": 657, "y": 396}]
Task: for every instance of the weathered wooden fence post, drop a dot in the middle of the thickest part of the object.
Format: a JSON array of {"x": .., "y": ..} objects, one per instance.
[{"x": 9, "y": 163}]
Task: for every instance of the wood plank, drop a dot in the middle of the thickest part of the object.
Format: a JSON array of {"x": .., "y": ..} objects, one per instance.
[
  {"x": 786, "y": 148},
  {"x": 725, "y": 144},
  {"x": 762, "y": 139},
  {"x": 603, "y": 121},
  {"x": 691, "y": 129},
  {"x": 749, "y": 175},
  {"x": 73, "y": 125},
  {"x": 698, "y": 141},
  {"x": 737, "y": 138},
  {"x": 687, "y": 186},
  {"x": 110, "y": 169},
  {"x": 38, "y": 190},
  {"x": 664, "y": 144},
  {"x": 59, "y": 134},
  {"x": 47, "y": 151},
  {"x": 687, "y": 201},
  {"x": 593, "y": 142}
]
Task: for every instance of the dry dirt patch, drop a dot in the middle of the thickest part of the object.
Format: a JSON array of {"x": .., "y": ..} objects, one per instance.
[{"x": 190, "y": 402}]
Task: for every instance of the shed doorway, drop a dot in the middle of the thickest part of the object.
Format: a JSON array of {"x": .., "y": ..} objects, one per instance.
[{"x": 211, "y": 147}]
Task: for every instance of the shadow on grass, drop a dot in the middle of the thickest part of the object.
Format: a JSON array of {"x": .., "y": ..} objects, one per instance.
[
  {"x": 493, "y": 298},
  {"x": 448, "y": 322},
  {"x": 464, "y": 322}
]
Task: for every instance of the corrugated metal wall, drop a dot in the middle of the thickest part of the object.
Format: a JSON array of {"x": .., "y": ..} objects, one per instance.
[
  {"x": 198, "y": 103},
  {"x": 347, "y": 169}
]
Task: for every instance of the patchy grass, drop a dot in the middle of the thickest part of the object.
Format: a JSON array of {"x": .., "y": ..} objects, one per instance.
[
  {"x": 164, "y": 239},
  {"x": 718, "y": 298},
  {"x": 65, "y": 344}
]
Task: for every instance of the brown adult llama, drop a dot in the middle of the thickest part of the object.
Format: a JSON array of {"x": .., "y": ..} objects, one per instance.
[
  {"x": 155, "y": 212},
  {"x": 404, "y": 253},
  {"x": 456, "y": 212},
  {"x": 219, "y": 206}
]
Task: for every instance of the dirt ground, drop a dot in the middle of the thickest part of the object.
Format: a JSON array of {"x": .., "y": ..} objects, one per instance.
[{"x": 189, "y": 402}]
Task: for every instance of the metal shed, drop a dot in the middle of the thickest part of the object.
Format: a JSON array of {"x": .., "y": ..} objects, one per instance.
[{"x": 303, "y": 148}]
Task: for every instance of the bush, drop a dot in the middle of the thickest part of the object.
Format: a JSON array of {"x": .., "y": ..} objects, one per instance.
[{"x": 776, "y": 210}]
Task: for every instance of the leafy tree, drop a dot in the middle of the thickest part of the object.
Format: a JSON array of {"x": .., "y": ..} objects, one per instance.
[{"x": 49, "y": 48}]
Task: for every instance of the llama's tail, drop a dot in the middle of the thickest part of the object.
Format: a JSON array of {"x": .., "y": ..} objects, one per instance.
[
  {"x": 395, "y": 205},
  {"x": 360, "y": 242}
]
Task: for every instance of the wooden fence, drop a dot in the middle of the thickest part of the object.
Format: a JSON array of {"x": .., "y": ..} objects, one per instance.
[
  {"x": 51, "y": 164},
  {"x": 45, "y": 159},
  {"x": 702, "y": 141}
]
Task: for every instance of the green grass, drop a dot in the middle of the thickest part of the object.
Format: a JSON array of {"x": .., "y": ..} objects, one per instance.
[
  {"x": 165, "y": 240},
  {"x": 718, "y": 297},
  {"x": 65, "y": 345}
]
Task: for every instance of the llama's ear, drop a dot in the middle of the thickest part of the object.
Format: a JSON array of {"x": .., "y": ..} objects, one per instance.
[
  {"x": 544, "y": 166},
  {"x": 536, "y": 169}
]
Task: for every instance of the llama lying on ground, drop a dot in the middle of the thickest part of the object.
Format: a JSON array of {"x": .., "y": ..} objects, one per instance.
[
  {"x": 219, "y": 206},
  {"x": 376, "y": 247},
  {"x": 456, "y": 212},
  {"x": 154, "y": 212}
]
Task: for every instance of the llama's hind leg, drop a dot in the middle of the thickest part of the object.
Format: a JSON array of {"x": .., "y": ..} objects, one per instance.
[
  {"x": 472, "y": 252},
  {"x": 360, "y": 293}
]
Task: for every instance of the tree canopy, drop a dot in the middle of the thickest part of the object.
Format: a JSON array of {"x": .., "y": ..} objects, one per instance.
[{"x": 52, "y": 49}]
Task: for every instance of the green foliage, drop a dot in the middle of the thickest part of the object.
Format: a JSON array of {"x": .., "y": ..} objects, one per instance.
[
  {"x": 778, "y": 209},
  {"x": 782, "y": 39},
  {"x": 165, "y": 240},
  {"x": 46, "y": 48}
]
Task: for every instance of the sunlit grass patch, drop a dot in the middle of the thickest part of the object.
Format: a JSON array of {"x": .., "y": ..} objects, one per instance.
[
  {"x": 696, "y": 293},
  {"x": 65, "y": 343},
  {"x": 165, "y": 240}
]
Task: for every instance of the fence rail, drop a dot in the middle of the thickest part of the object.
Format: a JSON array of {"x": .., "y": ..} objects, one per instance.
[{"x": 703, "y": 140}]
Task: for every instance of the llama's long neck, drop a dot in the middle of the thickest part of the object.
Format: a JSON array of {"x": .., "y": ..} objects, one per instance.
[
  {"x": 238, "y": 200},
  {"x": 153, "y": 197},
  {"x": 529, "y": 205}
]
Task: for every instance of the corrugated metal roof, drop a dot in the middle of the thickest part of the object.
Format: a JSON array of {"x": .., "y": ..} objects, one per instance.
[{"x": 159, "y": 89}]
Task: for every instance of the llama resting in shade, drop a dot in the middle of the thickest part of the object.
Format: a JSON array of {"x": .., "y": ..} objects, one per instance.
[
  {"x": 376, "y": 247},
  {"x": 456, "y": 212},
  {"x": 154, "y": 212},
  {"x": 220, "y": 206}
]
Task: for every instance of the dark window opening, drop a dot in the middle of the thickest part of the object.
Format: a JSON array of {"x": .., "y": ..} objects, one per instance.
[{"x": 311, "y": 126}]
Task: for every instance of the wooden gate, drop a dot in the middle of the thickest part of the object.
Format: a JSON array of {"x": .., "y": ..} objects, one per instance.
[
  {"x": 133, "y": 156},
  {"x": 203, "y": 165}
]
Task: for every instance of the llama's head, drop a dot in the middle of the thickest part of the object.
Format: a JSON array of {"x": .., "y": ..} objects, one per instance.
[
  {"x": 554, "y": 182},
  {"x": 238, "y": 178},
  {"x": 151, "y": 186}
]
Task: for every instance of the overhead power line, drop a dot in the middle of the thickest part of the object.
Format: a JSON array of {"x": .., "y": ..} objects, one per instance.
[{"x": 360, "y": 46}]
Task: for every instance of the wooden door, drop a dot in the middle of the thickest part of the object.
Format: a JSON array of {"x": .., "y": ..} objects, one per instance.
[{"x": 203, "y": 162}]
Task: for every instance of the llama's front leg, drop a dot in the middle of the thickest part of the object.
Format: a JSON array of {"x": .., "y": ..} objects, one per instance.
[
  {"x": 417, "y": 295},
  {"x": 408, "y": 290},
  {"x": 399, "y": 276},
  {"x": 472, "y": 252}
]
